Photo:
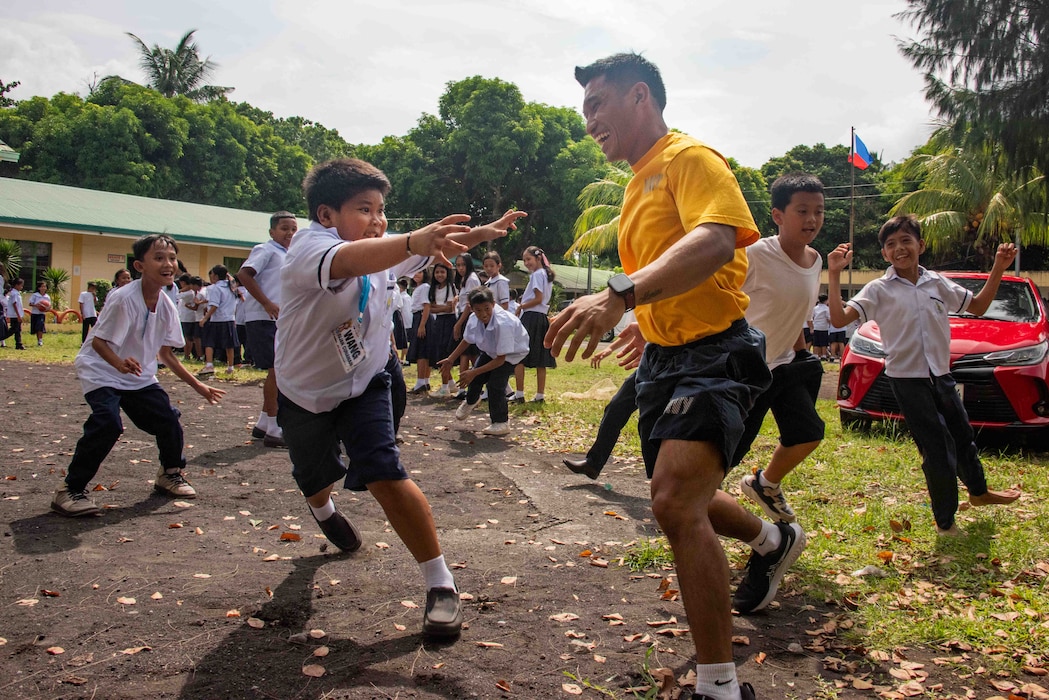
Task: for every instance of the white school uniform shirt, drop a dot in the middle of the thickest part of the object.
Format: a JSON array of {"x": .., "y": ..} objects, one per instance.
[
  {"x": 223, "y": 299},
  {"x": 504, "y": 335},
  {"x": 821, "y": 317},
  {"x": 309, "y": 371},
  {"x": 442, "y": 296},
  {"x": 913, "y": 319},
  {"x": 500, "y": 287},
  {"x": 781, "y": 294},
  {"x": 538, "y": 281},
  {"x": 133, "y": 331},
  {"x": 420, "y": 297},
  {"x": 14, "y": 304},
  {"x": 266, "y": 259},
  {"x": 202, "y": 304},
  {"x": 472, "y": 282},
  {"x": 87, "y": 304},
  {"x": 406, "y": 309},
  {"x": 35, "y": 298},
  {"x": 186, "y": 314}
]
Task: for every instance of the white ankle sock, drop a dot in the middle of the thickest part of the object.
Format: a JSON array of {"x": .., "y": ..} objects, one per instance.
[
  {"x": 263, "y": 422},
  {"x": 768, "y": 539},
  {"x": 421, "y": 382},
  {"x": 518, "y": 394},
  {"x": 539, "y": 396},
  {"x": 325, "y": 511},
  {"x": 436, "y": 573},
  {"x": 765, "y": 482},
  {"x": 274, "y": 430},
  {"x": 717, "y": 681}
]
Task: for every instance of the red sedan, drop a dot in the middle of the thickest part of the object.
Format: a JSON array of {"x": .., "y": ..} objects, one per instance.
[{"x": 999, "y": 361}]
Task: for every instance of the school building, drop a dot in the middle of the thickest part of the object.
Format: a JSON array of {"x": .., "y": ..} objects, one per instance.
[{"x": 89, "y": 233}]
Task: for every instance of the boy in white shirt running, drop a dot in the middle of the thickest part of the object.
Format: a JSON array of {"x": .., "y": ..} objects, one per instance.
[{"x": 333, "y": 345}]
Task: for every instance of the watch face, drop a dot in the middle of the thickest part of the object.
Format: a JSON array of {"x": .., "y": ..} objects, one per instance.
[{"x": 620, "y": 284}]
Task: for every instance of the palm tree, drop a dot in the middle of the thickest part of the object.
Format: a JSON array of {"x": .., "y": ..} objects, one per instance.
[
  {"x": 179, "y": 72},
  {"x": 55, "y": 277},
  {"x": 970, "y": 201},
  {"x": 597, "y": 228},
  {"x": 10, "y": 259}
]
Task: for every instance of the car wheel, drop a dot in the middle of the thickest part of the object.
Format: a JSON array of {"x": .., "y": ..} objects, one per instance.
[
  {"x": 609, "y": 336},
  {"x": 850, "y": 421}
]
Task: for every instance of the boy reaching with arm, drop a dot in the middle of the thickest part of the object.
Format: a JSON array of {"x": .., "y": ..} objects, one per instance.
[{"x": 911, "y": 306}]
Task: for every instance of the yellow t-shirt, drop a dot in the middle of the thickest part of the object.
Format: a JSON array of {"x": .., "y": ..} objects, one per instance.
[{"x": 678, "y": 185}]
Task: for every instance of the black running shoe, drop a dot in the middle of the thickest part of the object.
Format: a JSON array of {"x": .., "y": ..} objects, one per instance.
[{"x": 765, "y": 572}]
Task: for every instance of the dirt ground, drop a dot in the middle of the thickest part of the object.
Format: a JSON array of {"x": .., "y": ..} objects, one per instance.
[{"x": 234, "y": 594}]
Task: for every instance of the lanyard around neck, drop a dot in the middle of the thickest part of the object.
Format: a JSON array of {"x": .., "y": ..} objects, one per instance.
[{"x": 366, "y": 289}]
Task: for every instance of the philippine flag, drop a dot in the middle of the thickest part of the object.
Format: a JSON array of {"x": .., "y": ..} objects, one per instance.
[{"x": 860, "y": 157}]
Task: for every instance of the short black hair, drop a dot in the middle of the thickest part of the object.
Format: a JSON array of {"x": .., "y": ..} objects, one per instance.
[
  {"x": 142, "y": 246},
  {"x": 785, "y": 186},
  {"x": 624, "y": 70},
  {"x": 481, "y": 295},
  {"x": 904, "y": 222},
  {"x": 336, "y": 181},
  {"x": 277, "y": 216}
]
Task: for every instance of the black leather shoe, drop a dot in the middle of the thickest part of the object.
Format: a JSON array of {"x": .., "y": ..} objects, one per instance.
[
  {"x": 583, "y": 466},
  {"x": 443, "y": 616},
  {"x": 257, "y": 433},
  {"x": 341, "y": 532},
  {"x": 273, "y": 441}
]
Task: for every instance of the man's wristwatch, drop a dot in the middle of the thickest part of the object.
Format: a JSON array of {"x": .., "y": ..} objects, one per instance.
[{"x": 624, "y": 287}]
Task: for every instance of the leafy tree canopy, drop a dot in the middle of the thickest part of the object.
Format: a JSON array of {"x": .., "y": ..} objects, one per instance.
[
  {"x": 179, "y": 71},
  {"x": 986, "y": 65}
]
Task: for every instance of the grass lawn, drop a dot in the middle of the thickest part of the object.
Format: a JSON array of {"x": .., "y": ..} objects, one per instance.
[{"x": 861, "y": 497}]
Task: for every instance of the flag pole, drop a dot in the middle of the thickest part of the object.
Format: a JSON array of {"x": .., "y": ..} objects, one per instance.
[{"x": 852, "y": 199}]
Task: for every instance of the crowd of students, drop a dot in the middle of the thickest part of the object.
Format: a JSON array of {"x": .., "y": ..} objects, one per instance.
[{"x": 717, "y": 345}]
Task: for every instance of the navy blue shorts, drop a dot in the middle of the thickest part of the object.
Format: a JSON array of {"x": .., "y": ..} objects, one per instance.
[
  {"x": 792, "y": 400},
  {"x": 261, "y": 336},
  {"x": 364, "y": 426},
  {"x": 821, "y": 339},
  {"x": 700, "y": 392},
  {"x": 190, "y": 330},
  {"x": 220, "y": 335}
]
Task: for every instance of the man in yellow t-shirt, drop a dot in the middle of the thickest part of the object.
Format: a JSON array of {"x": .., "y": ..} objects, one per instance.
[{"x": 682, "y": 233}]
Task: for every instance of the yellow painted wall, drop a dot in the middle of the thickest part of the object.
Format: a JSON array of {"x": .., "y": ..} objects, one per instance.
[{"x": 86, "y": 256}]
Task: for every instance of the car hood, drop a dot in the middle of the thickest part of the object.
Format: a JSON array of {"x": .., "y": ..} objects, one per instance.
[{"x": 971, "y": 335}]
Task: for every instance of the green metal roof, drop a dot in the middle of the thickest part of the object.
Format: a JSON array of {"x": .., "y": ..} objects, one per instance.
[
  {"x": 571, "y": 278},
  {"x": 8, "y": 154},
  {"x": 75, "y": 209}
]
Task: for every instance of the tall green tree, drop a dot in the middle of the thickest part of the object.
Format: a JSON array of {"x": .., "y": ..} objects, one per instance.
[
  {"x": 601, "y": 201},
  {"x": 179, "y": 71},
  {"x": 986, "y": 65},
  {"x": 6, "y": 101},
  {"x": 970, "y": 200}
]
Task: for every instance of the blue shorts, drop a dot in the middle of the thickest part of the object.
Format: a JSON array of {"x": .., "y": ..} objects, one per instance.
[
  {"x": 792, "y": 400},
  {"x": 260, "y": 336},
  {"x": 364, "y": 426},
  {"x": 700, "y": 392},
  {"x": 219, "y": 335}
]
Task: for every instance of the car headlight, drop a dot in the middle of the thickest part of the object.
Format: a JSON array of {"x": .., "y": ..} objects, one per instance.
[
  {"x": 1031, "y": 355},
  {"x": 865, "y": 346}
]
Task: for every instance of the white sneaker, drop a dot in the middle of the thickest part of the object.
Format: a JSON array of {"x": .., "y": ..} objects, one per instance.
[
  {"x": 206, "y": 370},
  {"x": 442, "y": 392},
  {"x": 464, "y": 409},
  {"x": 497, "y": 429}
]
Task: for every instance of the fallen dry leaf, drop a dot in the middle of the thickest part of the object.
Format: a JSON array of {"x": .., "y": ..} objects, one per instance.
[
  {"x": 409, "y": 604},
  {"x": 313, "y": 671},
  {"x": 233, "y": 613},
  {"x": 571, "y": 689},
  {"x": 126, "y": 601},
  {"x": 318, "y": 634},
  {"x": 201, "y": 575},
  {"x": 489, "y": 645},
  {"x": 321, "y": 651},
  {"x": 55, "y": 651},
  {"x": 290, "y": 537},
  {"x": 508, "y": 580},
  {"x": 256, "y": 623},
  {"x": 49, "y": 594},
  {"x": 564, "y": 617},
  {"x": 503, "y": 686},
  {"x": 131, "y": 651}
]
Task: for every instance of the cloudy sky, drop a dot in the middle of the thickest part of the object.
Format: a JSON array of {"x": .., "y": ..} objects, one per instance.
[{"x": 751, "y": 77}]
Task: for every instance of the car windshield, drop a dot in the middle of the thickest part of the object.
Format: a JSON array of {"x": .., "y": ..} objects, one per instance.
[{"x": 1013, "y": 302}]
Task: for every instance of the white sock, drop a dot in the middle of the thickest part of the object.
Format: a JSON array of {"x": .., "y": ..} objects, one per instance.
[
  {"x": 539, "y": 396},
  {"x": 325, "y": 511},
  {"x": 263, "y": 422},
  {"x": 765, "y": 482},
  {"x": 518, "y": 394},
  {"x": 717, "y": 681},
  {"x": 421, "y": 382},
  {"x": 436, "y": 573},
  {"x": 273, "y": 430},
  {"x": 768, "y": 540},
  {"x": 452, "y": 386}
]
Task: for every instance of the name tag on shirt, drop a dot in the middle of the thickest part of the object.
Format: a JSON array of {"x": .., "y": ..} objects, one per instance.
[{"x": 351, "y": 348}]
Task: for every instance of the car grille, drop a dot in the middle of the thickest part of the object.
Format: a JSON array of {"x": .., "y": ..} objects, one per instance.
[{"x": 984, "y": 400}]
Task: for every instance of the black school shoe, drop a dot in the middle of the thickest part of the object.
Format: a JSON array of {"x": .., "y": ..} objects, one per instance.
[
  {"x": 582, "y": 466},
  {"x": 444, "y": 616},
  {"x": 341, "y": 532},
  {"x": 765, "y": 572}
]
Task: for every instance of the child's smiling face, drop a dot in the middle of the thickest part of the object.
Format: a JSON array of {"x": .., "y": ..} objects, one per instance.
[
  {"x": 159, "y": 265},
  {"x": 491, "y": 267},
  {"x": 530, "y": 262},
  {"x": 361, "y": 216}
]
